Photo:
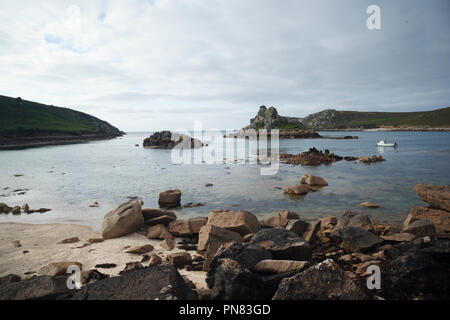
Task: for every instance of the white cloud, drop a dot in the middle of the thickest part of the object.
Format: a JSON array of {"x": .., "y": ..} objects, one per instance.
[{"x": 146, "y": 65}]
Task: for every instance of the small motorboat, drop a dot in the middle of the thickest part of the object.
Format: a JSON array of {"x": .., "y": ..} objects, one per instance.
[{"x": 383, "y": 143}]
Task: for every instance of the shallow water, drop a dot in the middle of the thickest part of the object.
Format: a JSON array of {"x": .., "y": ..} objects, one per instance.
[{"x": 68, "y": 178}]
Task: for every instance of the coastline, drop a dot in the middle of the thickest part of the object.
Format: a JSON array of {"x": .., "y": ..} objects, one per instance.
[
  {"x": 415, "y": 129},
  {"x": 14, "y": 143}
]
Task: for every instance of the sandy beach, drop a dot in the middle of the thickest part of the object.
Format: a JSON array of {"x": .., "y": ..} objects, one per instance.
[{"x": 39, "y": 247}]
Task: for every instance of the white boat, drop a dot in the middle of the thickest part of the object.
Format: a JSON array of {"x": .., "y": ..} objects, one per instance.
[{"x": 383, "y": 143}]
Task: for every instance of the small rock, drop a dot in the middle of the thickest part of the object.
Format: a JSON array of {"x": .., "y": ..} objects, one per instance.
[
  {"x": 158, "y": 231},
  {"x": 69, "y": 240},
  {"x": 16, "y": 243},
  {"x": 328, "y": 222},
  {"x": 369, "y": 205},
  {"x": 180, "y": 259},
  {"x": 16, "y": 210},
  {"x": 94, "y": 205},
  {"x": 168, "y": 244},
  {"x": 131, "y": 266},
  {"x": 154, "y": 260},
  {"x": 313, "y": 180},
  {"x": 421, "y": 228},
  {"x": 280, "y": 266},
  {"x": 399, "y": 237},
  {"x": 55, "y": 269},
  {"x": 141, "y": 249},
  {"x": 311, "y": 231},
  {"x": 106, "y": 265},
  {"x": 170, "y": 199},
  {"x": 208, "y": 185}
]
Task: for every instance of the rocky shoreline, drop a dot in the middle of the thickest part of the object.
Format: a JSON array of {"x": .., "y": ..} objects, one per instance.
[
  {"x": 41, "y": 140},
  {"x": 239, "y": 257}
]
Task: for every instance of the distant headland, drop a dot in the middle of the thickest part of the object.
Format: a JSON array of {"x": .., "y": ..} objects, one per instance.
[{"x": 30, "y": 124}]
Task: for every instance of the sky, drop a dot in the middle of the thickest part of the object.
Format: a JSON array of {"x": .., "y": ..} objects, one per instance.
[{"x": 163, "y": 64}]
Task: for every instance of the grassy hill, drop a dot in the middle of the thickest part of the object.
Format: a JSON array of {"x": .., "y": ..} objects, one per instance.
[
  {"x": 333, "y": 119},
  {"x": 21, "y": 117}
]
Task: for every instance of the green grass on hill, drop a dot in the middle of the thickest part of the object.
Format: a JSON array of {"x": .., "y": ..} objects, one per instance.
[
  {"x": 21, "y": 116},
  {"x": 354, "y": 119}
]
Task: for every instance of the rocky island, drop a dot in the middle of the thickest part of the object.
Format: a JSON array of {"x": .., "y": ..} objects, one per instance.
[
  {"x": 169, "y": 140},
  {"x": 289, "y": 127}
]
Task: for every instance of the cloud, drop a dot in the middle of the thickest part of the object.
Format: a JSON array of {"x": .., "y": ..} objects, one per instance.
[{"x": 148, "y": 65}]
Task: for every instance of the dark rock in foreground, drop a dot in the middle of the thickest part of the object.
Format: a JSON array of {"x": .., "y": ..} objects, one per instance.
[
  {"x": 283, "y": 244},
  {"x": 418, "y": 269},
  {"x": 319, "y": 283},
  {"x": 37, "y": 288},
  {"x": 155, "y": 282}
]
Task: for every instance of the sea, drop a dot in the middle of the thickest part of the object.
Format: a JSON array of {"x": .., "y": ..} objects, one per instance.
[{"x": 69, "y": 178}]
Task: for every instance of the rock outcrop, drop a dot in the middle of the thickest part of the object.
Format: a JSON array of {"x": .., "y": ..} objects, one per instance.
[
  {"x": 440, "y": 218},
  {"x": 169, "y": 140},
  {"x": 436, "y": 196}
]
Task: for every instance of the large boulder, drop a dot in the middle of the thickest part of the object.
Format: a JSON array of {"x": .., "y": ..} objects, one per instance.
[
  {"x": 185, "y": 228},
  {"x": 247, "y": 255},
  {"x": 421, "y": 228},
  {"x": 283, "y": 244},
  {"x": 242, "y": 222},
  {"x": 281, "y": 219},
  {"x": 233, "y": 281},
  {"x": 170, "y": 199},
  {"x": 319, "y": 283},
  {"x": 162, "y": 282},
  {"x": 353, "y": 219},
  {"x": 214, "y": 234},
  {"x": 417, "y": 269},
  {"x": 440, "y": 218},
  {"x": 313, "y": 181},
  {"x": 436, "y": 196},
  {"x": 125, "y": 219},
  {"x": 355, "y": 239},
  {"x": 37, "y": 288}
]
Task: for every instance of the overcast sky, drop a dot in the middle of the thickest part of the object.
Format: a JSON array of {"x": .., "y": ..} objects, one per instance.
[{"x": 162, "y": 64}]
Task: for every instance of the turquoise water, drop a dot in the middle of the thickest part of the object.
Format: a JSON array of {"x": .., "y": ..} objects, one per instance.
[{"x": 68, "y": 178}]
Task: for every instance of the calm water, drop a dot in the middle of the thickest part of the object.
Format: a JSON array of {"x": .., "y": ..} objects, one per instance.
[{"x": 70, "y": 177}]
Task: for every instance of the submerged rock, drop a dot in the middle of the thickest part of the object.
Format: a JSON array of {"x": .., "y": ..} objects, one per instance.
[{"x": 313, "y": 180}]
